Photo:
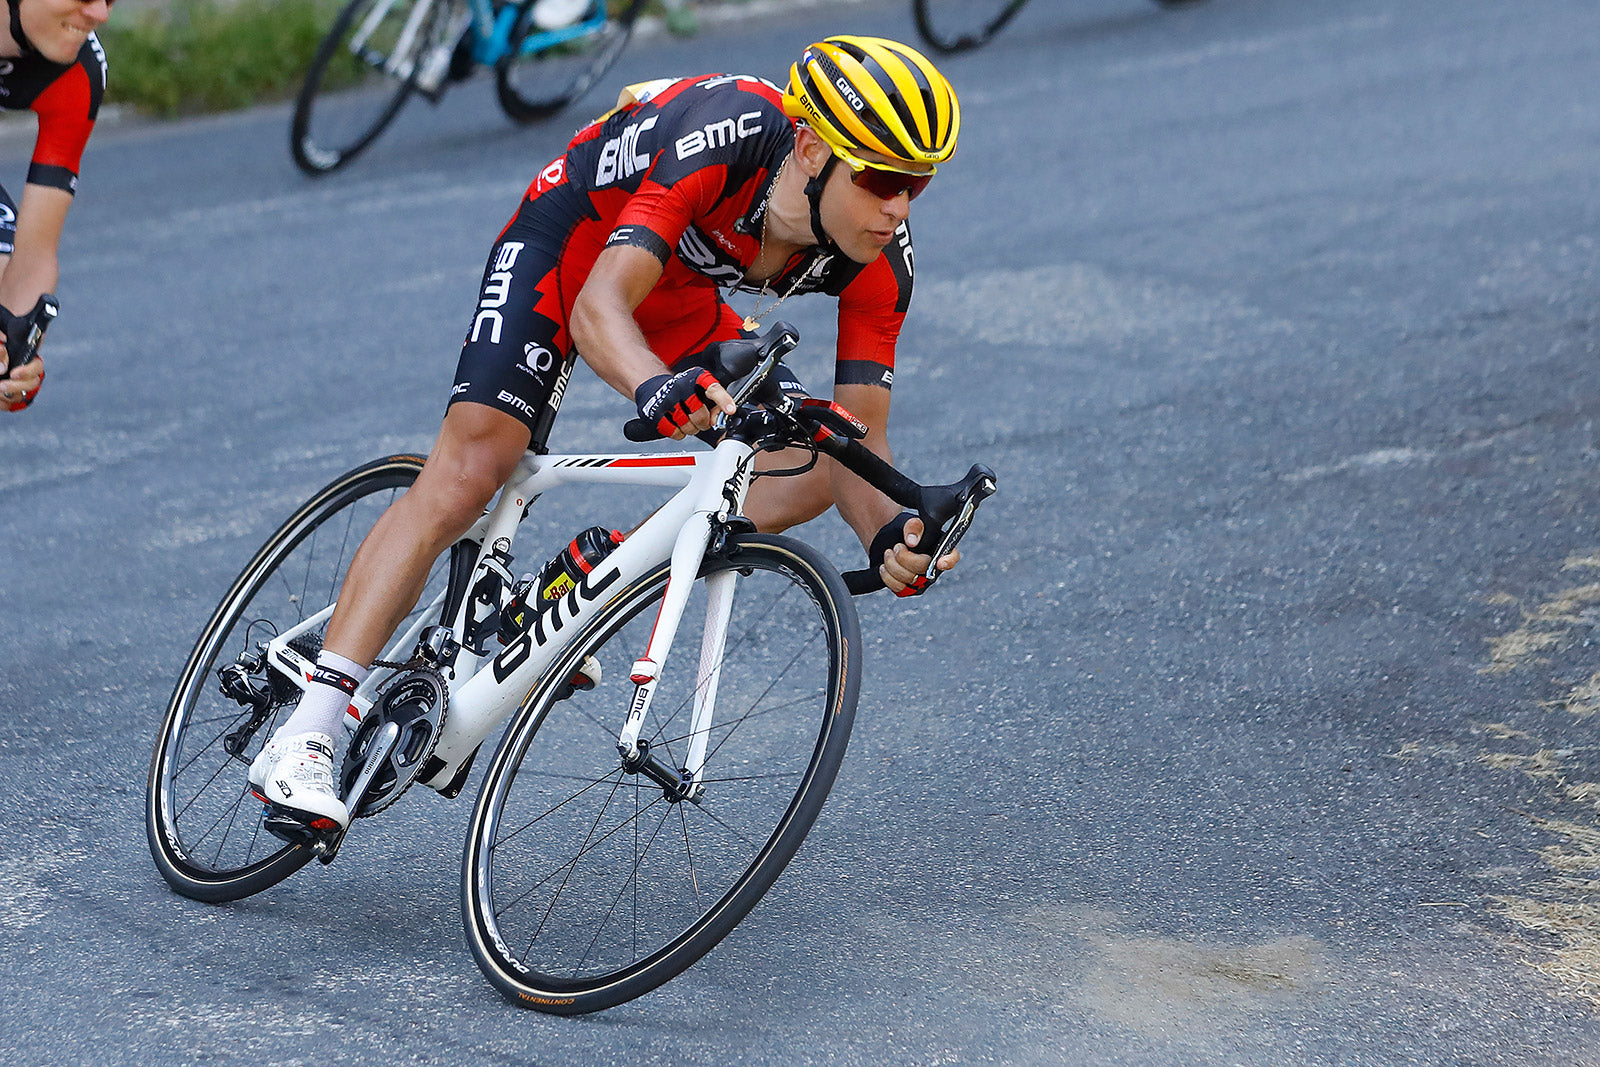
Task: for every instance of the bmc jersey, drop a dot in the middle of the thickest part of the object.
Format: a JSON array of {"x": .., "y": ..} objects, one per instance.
[
  {"x": 66, "y": 97},
  {"x": 685, "y": 174}
]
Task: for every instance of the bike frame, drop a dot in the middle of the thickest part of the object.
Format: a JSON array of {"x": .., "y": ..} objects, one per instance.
[
  {"x": 491, "y": 32},
  {"x": 485, "y": 691}
]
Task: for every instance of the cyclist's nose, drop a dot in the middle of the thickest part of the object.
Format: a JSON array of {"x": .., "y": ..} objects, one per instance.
[{"x": 898, "y": 207}]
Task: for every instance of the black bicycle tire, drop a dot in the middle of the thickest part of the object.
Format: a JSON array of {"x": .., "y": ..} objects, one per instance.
[
  {"x": 317, "y": 160},
  {"x": 184, "y": 875},
  {"x": 943, "y": 41},
  {"x": 523, "y": 110},
  {"x": 569, "y": 997}
]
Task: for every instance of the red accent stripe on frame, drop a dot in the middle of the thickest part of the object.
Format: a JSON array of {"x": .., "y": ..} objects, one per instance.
[{"x": 654, "y": 461}]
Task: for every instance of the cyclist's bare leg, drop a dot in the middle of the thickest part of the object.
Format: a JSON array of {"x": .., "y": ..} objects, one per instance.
[
  {"x": 775, "y": 504},
  {"x": 477, "y": 450}
]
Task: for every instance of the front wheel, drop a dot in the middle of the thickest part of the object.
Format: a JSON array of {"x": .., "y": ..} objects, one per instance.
[
  {"x": 363, "y": 71},
  {"x": 959, "y": 25},
  {"x": 205, "y": 829},
  {"x": 585, "y": 883},
  {"x": 545, "y": 70}
]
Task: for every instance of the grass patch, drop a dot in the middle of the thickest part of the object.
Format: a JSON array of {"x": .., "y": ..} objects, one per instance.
[{"x": 201, "y": 55}]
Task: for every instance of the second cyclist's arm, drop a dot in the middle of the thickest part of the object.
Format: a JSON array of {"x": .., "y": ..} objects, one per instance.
[{"x": 34, "y": 268}]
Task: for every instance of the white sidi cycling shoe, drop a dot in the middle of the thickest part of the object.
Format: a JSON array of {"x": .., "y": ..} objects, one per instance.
[{"x": 296, "y": 773}]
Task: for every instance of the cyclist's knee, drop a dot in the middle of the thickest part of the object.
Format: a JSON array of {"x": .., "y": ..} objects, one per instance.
[{"x": 477, "y": 450}]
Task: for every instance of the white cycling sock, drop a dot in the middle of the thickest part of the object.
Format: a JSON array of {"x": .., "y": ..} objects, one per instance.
[{"x": 323, "y": 705}]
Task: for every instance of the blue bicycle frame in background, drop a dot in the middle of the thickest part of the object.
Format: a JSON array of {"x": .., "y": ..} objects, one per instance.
[{"x": 379, "y": 52}]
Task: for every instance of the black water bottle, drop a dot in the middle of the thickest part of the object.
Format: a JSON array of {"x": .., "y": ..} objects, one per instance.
[
  {"x": 582, "y": 555},
  {"x": 558, "y": 577}
]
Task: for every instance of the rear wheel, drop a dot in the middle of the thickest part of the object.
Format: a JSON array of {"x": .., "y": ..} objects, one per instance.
[
  {"x": 360, "y": 78},
  {"x": 204, "y": 827},
  {"x": 585, "y": 882},
  {"x": 545, "y": 70}
]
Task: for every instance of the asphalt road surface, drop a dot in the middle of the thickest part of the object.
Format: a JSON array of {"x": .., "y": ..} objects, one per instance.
[{"x": 1258, "y": 726}]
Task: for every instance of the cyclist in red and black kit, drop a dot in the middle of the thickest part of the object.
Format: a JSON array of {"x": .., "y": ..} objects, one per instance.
[
  {"x": 620, "y": 251},
  {"x": 52, "y": 64}
]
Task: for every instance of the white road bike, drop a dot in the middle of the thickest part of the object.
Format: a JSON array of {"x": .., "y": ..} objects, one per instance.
[{"x": 639, "y": 803}]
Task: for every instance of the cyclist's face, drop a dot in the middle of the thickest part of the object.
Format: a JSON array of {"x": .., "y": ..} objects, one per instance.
[
  {"x": 859, "y": 220},
  {"x": 57, "y": 28}
]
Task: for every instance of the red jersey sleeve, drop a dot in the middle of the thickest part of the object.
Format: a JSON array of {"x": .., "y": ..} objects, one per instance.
[
  {"x": 67, "y": 109},
  {"x": 871, "y": 310},
  {"x": 655, "y": 216}
]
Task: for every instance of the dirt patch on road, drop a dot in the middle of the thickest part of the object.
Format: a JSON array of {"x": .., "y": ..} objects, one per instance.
[
  {"x": 1563, "y": 913},
  {"x": 1161, "y": 986}
]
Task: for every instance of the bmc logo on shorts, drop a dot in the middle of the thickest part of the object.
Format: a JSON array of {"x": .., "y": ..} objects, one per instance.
[
  {"x": 496, "y": 288},
  {"x": 717, "y": 134}
]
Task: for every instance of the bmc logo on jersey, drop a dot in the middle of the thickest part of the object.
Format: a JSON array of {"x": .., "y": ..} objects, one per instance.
[
  {"x": 621, "y": 158},
  {"x": 717, "y": 134}
]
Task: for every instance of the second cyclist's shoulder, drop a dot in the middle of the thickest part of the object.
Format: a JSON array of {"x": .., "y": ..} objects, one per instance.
[{"x": 23, "y": 80}]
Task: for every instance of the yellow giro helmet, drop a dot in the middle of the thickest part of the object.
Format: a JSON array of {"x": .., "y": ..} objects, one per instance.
[{"x": 870, "y": 94}]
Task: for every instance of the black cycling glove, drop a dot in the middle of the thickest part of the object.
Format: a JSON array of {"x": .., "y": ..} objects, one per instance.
[
  {"x": 16, "y": 329},
  {"x": 668, "y": 400},
  {"x": 870, "y": 580}
]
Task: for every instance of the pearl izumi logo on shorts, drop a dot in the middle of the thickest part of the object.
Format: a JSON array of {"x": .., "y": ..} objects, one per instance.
[{"x": 536, "y": 357}]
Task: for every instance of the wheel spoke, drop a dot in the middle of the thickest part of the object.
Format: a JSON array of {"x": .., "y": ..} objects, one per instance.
[
  {"x": 203, "y": 836},
  {"x": 613, "y": 895}
]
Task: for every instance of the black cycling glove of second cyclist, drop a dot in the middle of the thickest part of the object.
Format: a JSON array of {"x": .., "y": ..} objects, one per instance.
[
  {"x": 668, "y": 400},
  {"x": 17, "y": 330}
]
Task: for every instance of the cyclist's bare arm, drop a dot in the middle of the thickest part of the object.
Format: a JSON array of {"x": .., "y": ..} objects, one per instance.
[
  {"x": 867, "y": 510},
  {"x": 33, "y": 268},
  {"x": 608, "y": 338}
]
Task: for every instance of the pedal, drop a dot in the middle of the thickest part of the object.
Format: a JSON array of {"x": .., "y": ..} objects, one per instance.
[{"x": 322, "y": 835}]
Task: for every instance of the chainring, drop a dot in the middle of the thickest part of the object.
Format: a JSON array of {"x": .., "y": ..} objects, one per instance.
[{"x": 414, "y": 700}]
